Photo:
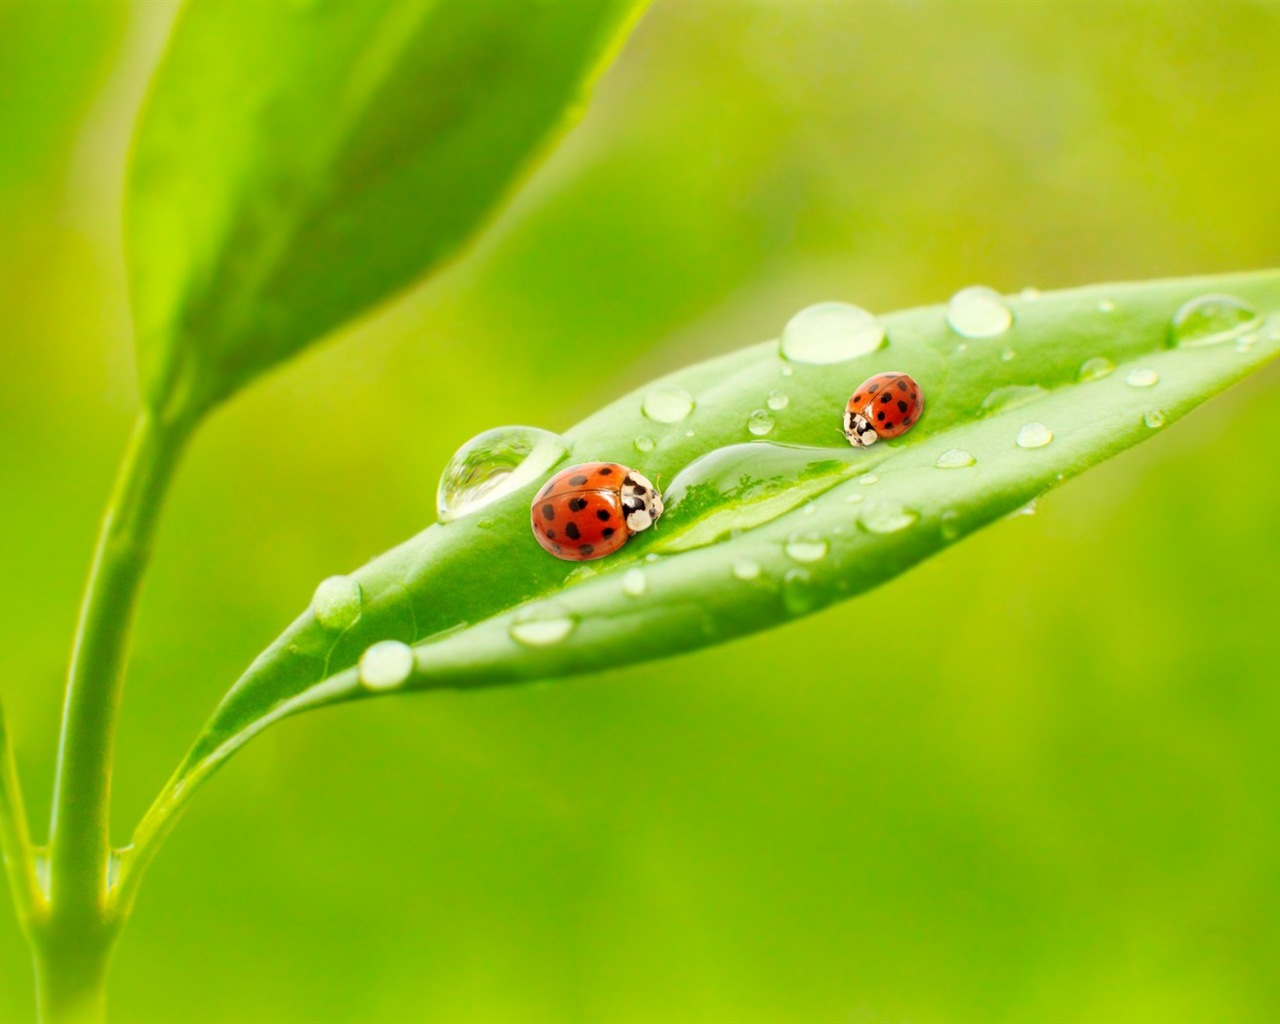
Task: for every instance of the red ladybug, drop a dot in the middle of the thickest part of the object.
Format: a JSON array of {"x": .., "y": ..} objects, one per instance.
[
  {"x": 590, "y": 511},
  {"x": 886, "y": 405}
]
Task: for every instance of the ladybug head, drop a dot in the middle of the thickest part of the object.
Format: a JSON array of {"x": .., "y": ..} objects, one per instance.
[
  {"x": 858, "y": 428},
  {"x": 641, "y": 502}
]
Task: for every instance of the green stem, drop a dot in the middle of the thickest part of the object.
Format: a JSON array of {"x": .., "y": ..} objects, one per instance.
[
  {"x": 15, "y": 839},
  {"x": 75, "y": 945},
  {"x": 71, "y": 981}
]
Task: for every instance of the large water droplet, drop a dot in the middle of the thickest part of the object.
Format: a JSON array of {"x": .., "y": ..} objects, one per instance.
[
  {"x": 1034, "y": 435},
  {"x": 955, "y": 458},
  {"x": 798, "y": 593},
  {"x": 1013, "y": 396},
  {"x": 745, "y": 569},
  {"x": 541, "y": 626},
  {"x": 831, "y": 332},
  {"x": 978, "y": 312},
  {"x": 1095, "y": 369},
  {"x": 644, "y": 443},
  {"x": 1153, "y": 418},
  {"x": 386, "y": 665},
  {"x": 494, "y": 464},
  {"x": 667, "y": 404},
  {"x": 1211, "y": 319},
  {"x": 337, "y": 602},
  {"x": 634, "y": 582},
  {"x": 886, "y": 516},
  {"x": 759, "y": 423},
  {"x": 1142, "y": 378},
  {"x": 806, "y": 547},
  {"x": 778, "y": 400}
]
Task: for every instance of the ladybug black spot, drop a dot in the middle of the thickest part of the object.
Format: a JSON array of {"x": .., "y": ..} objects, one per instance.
[
  {"x": 551, "y": 535},
  {"x": 902, "y": 385},
  {"x": 606, "y": 471},
  {"x": 572, "y": 531},
  {"x": 578, "y": 480},
  {"x": 607, "y": 532},
  {"x": 886, "y": 397},
  {"x": 873, "y": 388},
  {"x": 902, "y": 407},
  {"x": 585, "y": 549},
  {"x": 857, "y": 398},
  {"x": 577, "y": 504},
  {"x": 603, "y": 515},
  {"x": 880, "y": 416},
  {"x": 548, "y": 511}
]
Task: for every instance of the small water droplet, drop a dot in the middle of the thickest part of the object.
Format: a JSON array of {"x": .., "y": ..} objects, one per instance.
[
  {"x": 494, "y": 464},
  {"x": 809, "y": 510},
  {"x": 633, "y": 582},
  {"x": 652, "y": 557},
  {"x": 1030, "y": 294},
  {"x": 1211, "y": 319},
  {"x": 581, "y": 574},
  {"x": 798, "y": 594},
  {"x": 1012, "y": 396},
  {"x": 386, "y": 665},
  {"x": 745, "y": 569},
  {"x": 688, "y": 433},
  {"x": 667, "y": 404},
  {"x": 831, "y": 332},
  {"x": 778, "y": 400},
  {"x": 1106, "y": 306},
  {"x": 644, "y": 443},
  {"x": 759, "y": 423},
  {"x": 853, "y": 499},
  {"x": 978, "y": 312},
  {"x": 1029, "y": 509},
  {"x": 1034, "y": 435},
  {"x": 1142, "y": 378},
  {"x": 1095, "y": 369},
  {"x": 1008, "y": 355},
  {"x": 955, "y": 458},
  {"x": 337, "y": 602},
  {"x": 867, "y": 479},
  {"x": 1153, "y": 418},
  {"x": 787, "y": 371},
  {"x": 886, "y": 516},
  {"x": 806, "y": 547},
  {"x": 949, "y": 524},
  {"x": 541, "y": 626}
]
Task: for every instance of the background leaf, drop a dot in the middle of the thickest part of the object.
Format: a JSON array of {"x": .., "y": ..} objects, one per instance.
[
  {"x": 298, "y": 163},
  {"x": 756, "y": 534}
]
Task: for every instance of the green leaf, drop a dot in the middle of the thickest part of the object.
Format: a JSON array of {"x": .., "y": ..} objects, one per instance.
[
  {"x": 758, "y": 532},
  {"x": 299, "y": 162}
]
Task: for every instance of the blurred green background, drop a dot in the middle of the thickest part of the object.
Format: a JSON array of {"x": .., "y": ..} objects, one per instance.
[{"x": 1070, "y": 809}]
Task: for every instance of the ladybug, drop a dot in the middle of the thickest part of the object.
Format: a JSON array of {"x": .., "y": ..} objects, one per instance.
[
  {"x": 590, "y": 511},
  {"x": 886, "y": 405}
]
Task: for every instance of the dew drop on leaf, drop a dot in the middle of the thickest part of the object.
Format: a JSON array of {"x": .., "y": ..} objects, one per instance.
[
  {"x": 831, "y": 332},
  {"x": 337, "y": 603},
  {"x": 949, "y": 524},
  {"x": 1008, "y": 355},
  {"x": 759, "y": 423},
  {"x": 644, "y": 443},
  {"x": 1034, "y": 435},
  {"x": 806, "y": 547},
  {"x": 386, "y": 665},
  {"x": 1013, "y": 396},
  {"x": 955, "y": 458},
  {"x": 492, "y": 465},
  {"x": 1142, "y": 378},
  {"x": 667, "y": 404},
  {"x": 867, "y": 479},
  {"x": 886, "y": 516},
  {"x": 541, "y": 627},
  {"x": 778, "y": 400},
  {"x": 634, "y": 582},
  {"x": 1211, "y": 319},
  {"x": 978, "y": 312},
  {"x": 1153, "y": 418},
  {"x": 798, "y": 594},
  {"x": 745, "y": 569},
  {"x": 1095, "y": 369}
]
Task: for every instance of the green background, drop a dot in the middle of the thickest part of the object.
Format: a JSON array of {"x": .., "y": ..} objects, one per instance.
[{"x": 1041, "y": 783}]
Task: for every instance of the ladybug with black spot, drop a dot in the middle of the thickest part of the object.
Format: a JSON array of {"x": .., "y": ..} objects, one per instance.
[
  {"x": 886, "y": 405},
  {"x": 589, "y": 511}
]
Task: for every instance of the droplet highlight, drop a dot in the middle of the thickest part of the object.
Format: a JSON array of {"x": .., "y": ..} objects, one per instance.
[
  {"x": 778, "y": 400},
  {"x": 1034, "y": 435},
  {"x": 979, "y": 312},
  {"x": 337, "y": 603},
  {"x": 541, "y": 626},
  {"x": 492, "y": 465},
  {"x": 955, "y": 458},
  {"x": 668, "y": 404},
  {"x": 634, "y": 582},
  {"x": 886, "y": 516},
  {"x": 385, "y": 665},
  {"x": 1210, "y": 320},
  {"x": 831, "y": 332},
  {"x": 644, "y": 443},
  {"x": 745, "y": 569},
  {"x": 759, "y": 423},
  {"x": 1142, "y": 378},
  {"x": 1153, "y": 418},
  {"x": 1095, "y": 369},
  {"x": 806, "y": 547},
  {"x": 798, "y": 593}
]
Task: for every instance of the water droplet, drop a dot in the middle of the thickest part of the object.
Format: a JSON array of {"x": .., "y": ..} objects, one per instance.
[
  {"x": 806, "y": 547},
  {"x": 386, "y": 665},
  {"x": 955, "y": 458},
  {"x": 652, "y": 556},
  {"x": 668, "y": 404},
  {"x": 580, "y": 575},
  {"x": 853, "y": 499},
  {"x": 688, "y": 433},
  {"x": 633, "y": 582},
  {"x": 541, "y": 626},
  {"x": 494, "y": 464},
  {"x": 759, "y": 423},
  {"x": 778, "y": 400},
  {"x": 978, "y": 312},
  {"x": 1008, "y": 355},
  {"x": 1153, "y": 418},
  {"x": 1013, "y": 396},
  {"x": 867, "y": 479},
  {"x": 644, "y": 443},
  {"x": 337, "y": 602},
  {"x": 1142, "y": 378},
  {"x": 1030, "y": 294},
  {"x": 798, "y": 594},
  {"x": 886, "y": 516},
  {"x": 1029, "y": 509},
  {"x": 1211, "y": 319},
  {"x": 949, "y": 524},
  {"x": 787, "y": 371},
  {"x": 1106, "y": 306},
  {"x": 809, "y": 510},
  {"x": 1095, "y": 369},
  {"x": 831, "y": 332},
  {"x": 745, "y": 569},
  {"x": 1034, "y": 435}
]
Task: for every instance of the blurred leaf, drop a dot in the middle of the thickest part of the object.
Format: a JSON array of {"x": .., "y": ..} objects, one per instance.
[
  {"x": 299, "y": 162},
  {"x": 757, "y": 533}
]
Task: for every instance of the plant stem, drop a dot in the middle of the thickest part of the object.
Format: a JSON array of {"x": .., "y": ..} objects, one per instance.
[
  {"x": 15, "y": 839},
  {"x": 73, "y": 949}
]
